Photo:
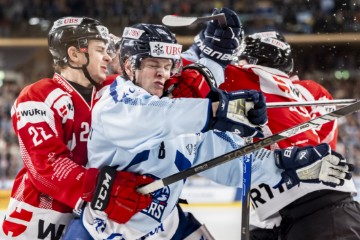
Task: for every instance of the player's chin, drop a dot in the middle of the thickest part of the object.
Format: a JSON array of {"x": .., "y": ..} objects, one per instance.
[
  {"x": 100, "y": 78},
  {"x": 158, "y": 92}
]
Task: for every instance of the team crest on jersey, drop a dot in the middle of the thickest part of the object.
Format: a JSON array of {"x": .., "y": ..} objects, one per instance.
[
  {"x": 158, "y": 204},
  {"x": 191, "y": 148},
  {"x": 99, "y": 224}
]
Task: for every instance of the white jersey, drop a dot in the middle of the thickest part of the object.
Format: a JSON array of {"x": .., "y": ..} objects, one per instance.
[
  {"x": 142, "y": 133},
  {"x": 267, "y": 201}
]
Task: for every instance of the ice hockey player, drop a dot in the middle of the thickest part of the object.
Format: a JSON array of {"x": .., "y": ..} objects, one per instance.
[
  {"x": 52, "y": 120},
  {"x": 270, "y": 63},
  {"x": 136, "y": 129}
]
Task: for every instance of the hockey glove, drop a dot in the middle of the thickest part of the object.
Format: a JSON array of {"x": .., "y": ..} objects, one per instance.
[
  {"x": 219, "y": 43},
  {"x": 115, "y": 192},
  {"x": 195, "y": 81},
  {"x": 232, "y": 114},
  {"x": 312, "y": 165}
]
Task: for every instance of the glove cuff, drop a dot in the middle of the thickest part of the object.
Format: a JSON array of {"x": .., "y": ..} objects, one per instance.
[
  {"x": 104, "y": 183},
  {"x": 284, "y": 158},
  {"x": 209, "y": 77},
  {"x": 89, "y": 184},
  {"x": 97, "y": 186},
  {"x": 290, "y": 178}
]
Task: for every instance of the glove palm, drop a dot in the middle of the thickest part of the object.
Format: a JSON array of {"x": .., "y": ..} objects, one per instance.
[{"x": 313, "y": 165}]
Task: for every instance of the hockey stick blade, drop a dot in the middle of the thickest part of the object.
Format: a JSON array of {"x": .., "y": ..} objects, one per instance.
[
  {"x": 179, "y": 21},
  {"x": 338, "y": 102},
  {"x": 313, "y": 123}
]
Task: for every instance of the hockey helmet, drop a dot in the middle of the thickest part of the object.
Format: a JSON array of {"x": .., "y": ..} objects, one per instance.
[
  {"x": 149, "y": 40},
  {"x": 268, "y": 49},
  {"x": 74, "y": 31}
]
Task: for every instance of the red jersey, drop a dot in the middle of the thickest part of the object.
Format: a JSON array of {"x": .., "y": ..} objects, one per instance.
[
  {"x": 276, "y": 87},
  {"x": 52, "y": 122},
  {"x": 311, "y": 91}
]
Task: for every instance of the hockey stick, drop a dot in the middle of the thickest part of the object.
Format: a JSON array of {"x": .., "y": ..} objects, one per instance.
[
  {"x": 339, "y": 102},
  {"x": 245, "y": 194},
  {"x": 179, "y": 21},
  {"x": 313, "y": 123}
]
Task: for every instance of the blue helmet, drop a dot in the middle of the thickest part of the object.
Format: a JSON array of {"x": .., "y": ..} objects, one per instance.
[{"x": 149, "y": 40}]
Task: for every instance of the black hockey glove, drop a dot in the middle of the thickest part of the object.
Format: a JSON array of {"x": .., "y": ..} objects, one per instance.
[
  {"x": 313, "y": 165},
  {"x": 220, "y": 43},
  {"x": 233, "y": 114}
]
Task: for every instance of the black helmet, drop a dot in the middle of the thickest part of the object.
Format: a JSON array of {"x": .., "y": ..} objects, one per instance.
[
  {"x": 268, "y": 49},
  {"x": 149, "y": 40},
  {"x": 74, "y": 31}
]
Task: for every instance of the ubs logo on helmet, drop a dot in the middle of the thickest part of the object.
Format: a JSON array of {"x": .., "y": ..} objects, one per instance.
[
  {"x": 158, "y": 50},
  {"x": 104, "y": 32},
  {"x": 133, "y": 33},
  {"x": 67, "y": 21}
]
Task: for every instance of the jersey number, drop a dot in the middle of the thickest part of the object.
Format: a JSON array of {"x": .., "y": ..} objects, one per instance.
[
  {"x": 85, "y": 131},
  {"x": 38, "y": 134}
]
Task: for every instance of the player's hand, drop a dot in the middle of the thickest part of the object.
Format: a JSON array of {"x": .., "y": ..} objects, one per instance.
[
  {"x": 232, "y": 113},
  {"x": 114, "y": 192},
  {"x": 224, "y": 40},
  {"x": 313, "y": 165},
  {"x": 195, "y": 81}
]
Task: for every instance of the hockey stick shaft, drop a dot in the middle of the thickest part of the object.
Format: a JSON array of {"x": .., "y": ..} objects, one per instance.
[
  {"x": 245, "y": 198},
  {"x": 339, "y": 102},
  {"x": 313, "y": 123},
  {"x": 179, "y": 21}
]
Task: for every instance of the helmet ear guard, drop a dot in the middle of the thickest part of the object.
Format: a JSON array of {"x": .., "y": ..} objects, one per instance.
[{"x": 149, "y": 40}]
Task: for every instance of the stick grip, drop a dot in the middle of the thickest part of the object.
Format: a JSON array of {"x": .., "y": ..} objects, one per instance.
[{"x": 151, "y": 187}]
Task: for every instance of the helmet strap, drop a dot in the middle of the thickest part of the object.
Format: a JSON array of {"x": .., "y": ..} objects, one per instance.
[{"x": 85, "y": 71}]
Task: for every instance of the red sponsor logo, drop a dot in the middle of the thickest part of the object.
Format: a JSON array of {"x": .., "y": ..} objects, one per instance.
[
  {"x": 63, "y": 110},
  {"x": 172, "y": 50},
  {"x": 71, "y": 20},
  {"x": 18, "y": 116},
  {"x": 133, "y": 33},
  {"x": 15, "y": 229}
]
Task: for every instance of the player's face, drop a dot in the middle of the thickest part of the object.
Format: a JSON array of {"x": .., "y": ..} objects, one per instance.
[
  {"x": 98, "y": 60},
  {"x": 153, "y": 74}
]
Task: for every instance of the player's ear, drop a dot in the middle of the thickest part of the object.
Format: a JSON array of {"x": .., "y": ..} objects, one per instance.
[
  {"x": 128, "y": 69},
  {"x": 74, "y": 54}
]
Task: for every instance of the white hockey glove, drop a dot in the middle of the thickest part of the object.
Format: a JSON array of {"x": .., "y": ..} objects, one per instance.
[{"x": 313, "y": 165}]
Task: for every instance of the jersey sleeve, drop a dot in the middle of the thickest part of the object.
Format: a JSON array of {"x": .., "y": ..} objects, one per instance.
[
  {"x": 132, "y": 118},
  {"x": 217, "y": 143},
  {"x": 39, "y": 125},
  {"x": 313, "y": 91}
]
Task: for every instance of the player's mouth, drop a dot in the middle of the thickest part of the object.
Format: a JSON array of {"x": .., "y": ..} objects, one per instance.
[{"x": 159, "y": 84}]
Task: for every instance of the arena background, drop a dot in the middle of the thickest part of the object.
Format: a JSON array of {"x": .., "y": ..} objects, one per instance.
[{"x": 324, "y": 35}]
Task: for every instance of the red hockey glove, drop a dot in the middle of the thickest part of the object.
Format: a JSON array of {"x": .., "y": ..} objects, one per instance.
[
  {"x": 115, "y": 192},
  {"x": 195, "y": 81}
]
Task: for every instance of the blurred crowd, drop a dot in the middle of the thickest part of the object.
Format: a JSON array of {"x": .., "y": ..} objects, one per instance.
[
  {"x": 32, "y": 18},
  {"x": 10, "y": 159}
]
